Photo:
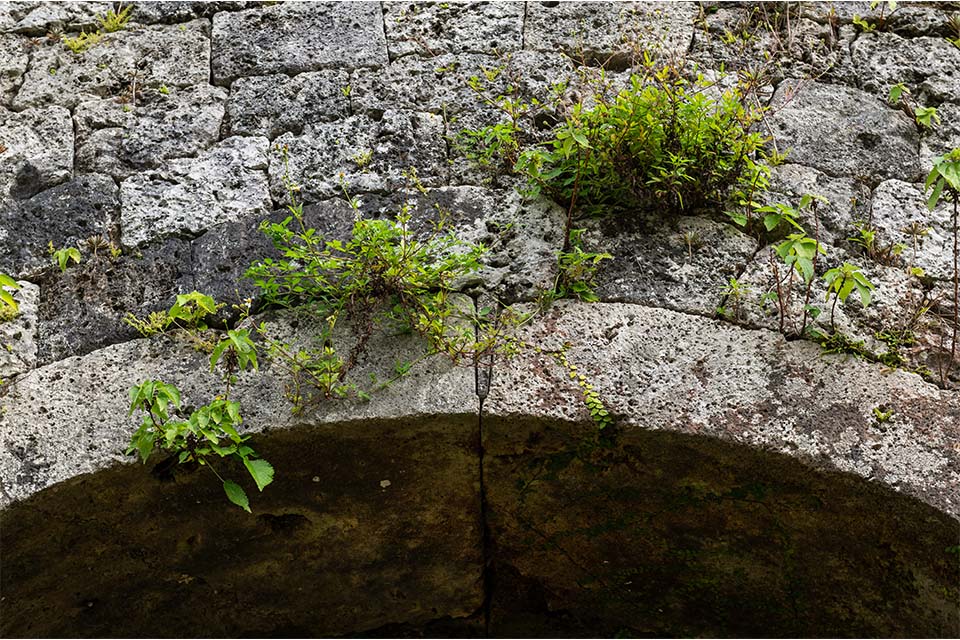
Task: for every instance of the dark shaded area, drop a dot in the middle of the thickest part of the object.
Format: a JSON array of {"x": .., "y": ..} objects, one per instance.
[
  {"x": 643, "y": 533},
  {"x": 328, "y": 549},
  {"x": 671, "y": 535}
]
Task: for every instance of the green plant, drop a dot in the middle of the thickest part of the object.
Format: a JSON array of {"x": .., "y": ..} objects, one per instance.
[
  {"x": 733, "y": 294},
  {"x": 188, "y": 315},
  {"x": 209, "y": 431},
  {"x": 598, "y": 411},
  {"x": 576, "y": 277},
  {"x": 882, "y": 415},
  {"x": 887, "y": 7},
  {"x": 164, "y": 90},
  {"x": 842, "y": 281},
  {"x": 660, "y": 144},
  {"x": 384, "y": 273},
  {"x": 954, "y": 23},
  {"x": 62, "y": 257},
  {"x": 944, "y": 180},
  {"x": 867, "y": 239},
  {"x": 81, "y": 42},
  {"x": 115, "y": 20},
  {"x": 7, "y": 301}
]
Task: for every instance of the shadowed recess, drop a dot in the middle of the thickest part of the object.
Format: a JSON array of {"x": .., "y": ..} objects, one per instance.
[{"x": 374, "y": 529}]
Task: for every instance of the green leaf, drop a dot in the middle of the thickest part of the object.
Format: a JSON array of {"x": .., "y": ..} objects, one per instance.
[
  {"x": 8, "y": 299},
  {"x": 145, "y": 445},
  {"x": 218, "y": 352},
  {"x": 935, "y": 196},
  {"x": 260, "y": 470},
  {"x": 236, "y": 495}
]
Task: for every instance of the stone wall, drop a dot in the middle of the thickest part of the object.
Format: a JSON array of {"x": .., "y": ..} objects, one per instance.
[{"x": 165, "y": 138}]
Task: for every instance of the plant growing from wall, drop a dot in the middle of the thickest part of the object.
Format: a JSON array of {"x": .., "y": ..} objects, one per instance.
[
  {"x": 115, "y": 20},
  {"x": 841, "y": 282},
  {"x": 8, "y": 305},
  {"x": 208, "y": 433},
  {"x": 944, "y": 182}
]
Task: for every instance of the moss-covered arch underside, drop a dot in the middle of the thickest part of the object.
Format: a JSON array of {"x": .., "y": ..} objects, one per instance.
[{"x": 378, "y": 527}]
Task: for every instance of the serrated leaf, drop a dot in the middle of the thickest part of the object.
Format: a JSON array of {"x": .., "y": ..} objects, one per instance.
[
  {"x": 260, "y": 470},
  {"x": 236, "y": 495}
]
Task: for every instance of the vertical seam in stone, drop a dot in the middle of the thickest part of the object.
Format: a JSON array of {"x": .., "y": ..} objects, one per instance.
[
  {"x": 523, "y": 27},
  {"x": 383, "y": 25}
]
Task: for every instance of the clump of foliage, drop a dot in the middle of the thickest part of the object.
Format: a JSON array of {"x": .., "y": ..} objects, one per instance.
[
  {"x": 661, "y": 144},
  {"x": 208, "y": 432},
  {"x": 188, "y": 315},
  {"x": 383, "y": 274},
  {"x": 842, "y": 281},
  {"x": 887, "y": 8},
  {"x": 577, "y": 271},
  {"x": 115, "y": 20},
  {"x": 82, "y": 41}
]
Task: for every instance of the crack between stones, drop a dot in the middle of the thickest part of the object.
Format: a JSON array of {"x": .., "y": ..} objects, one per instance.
[{"x": 483, "y": 374}]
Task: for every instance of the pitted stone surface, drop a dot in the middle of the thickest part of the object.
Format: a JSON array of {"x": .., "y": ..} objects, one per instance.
[
  {"x": 174, "y": 11},
  {"x": 272, "y": 105},
  {"x": 657, "y": 369},
  {"x": 844, "y": 132},
  {"x": 120, "y": 139},
  {"x": 897, "y": 205},
  {"x": 294, "y": 37},
  {"x": 430, "y": 29},
  {"x": 599, "y": 31},
  {"x": 929, "y": 67},
  {"x": 848, "y": 199},
  {"x": 144, "y": 57},
  {"x": 38, "y": 18},
  {"x": 186, "y": 196},
  {"x": 684, "y": 267},
  {"x": 36, "y": 150},
  {"x": 14, "y": 55},
  {"x": 18, "y": 337},
  {"x": 62, "y": 216},
  {"x": 363, "y": 154}
]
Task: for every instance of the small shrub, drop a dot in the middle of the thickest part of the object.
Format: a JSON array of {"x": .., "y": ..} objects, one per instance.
[
  {"x": 81, "y": 42},
  {"x": 115, "y": 20}
]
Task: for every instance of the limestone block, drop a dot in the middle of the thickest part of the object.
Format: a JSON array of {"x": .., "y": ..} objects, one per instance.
[
  {"x": 36, "y": 150},
  {"x": 186, "y": 196},
  {"x": 366, "y": 154},
  {"x": 657, "y": 265},
  {"x": 599, "y": 31},
  {"x": 144, "y": 57},
  {"x": 430, "y": 29},
  {"x": 844, "y": 132},
  {"x": 82, "y": 309},
  {"x": 120, "y": 139},
  {"x": 929, "y": 67},
  {"x": 848, "y": 199},
  {"x": 658, "y": 369},
  {"x": 38, "y": 18},
  {"x": 272, "y": 105},
  {"x": 294, "y": 37},
  {"x": 18, "y": 336},
  {"x": 63, "y": 215},
  {"x": 14, "y": 56}
]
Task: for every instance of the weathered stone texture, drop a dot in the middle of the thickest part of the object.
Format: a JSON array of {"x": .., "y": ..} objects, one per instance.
[
  {"x": 121, "y": 140},
  {"x": 186, "y": 196},
  {"x": 683, "y": 267},
  {"x": 844, "y": 132},
  {"x": 361, "y": 153},
  {"x": 13, "y": 64},
  {"x": 272, "y": 105},
  {"x": 430, "y": 29},
  {"x": 929, "y": 67},
  {"x": 18, "y": 337},
  {"x": 136, "y": 58},
  {"x": 602, "y": 31},
  {"x": 39, "y": 18},
  {"x": 657, "y": 369},
  {"x": 295, "y": 37},
  {"x": 36, "y": 151},
  {"x": 61, "y": 216}
]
